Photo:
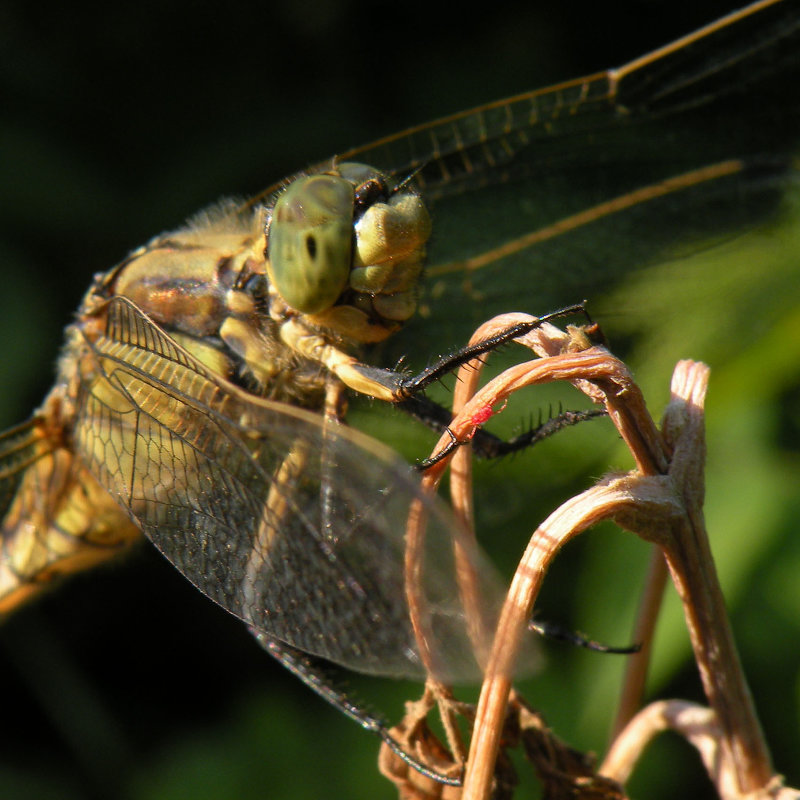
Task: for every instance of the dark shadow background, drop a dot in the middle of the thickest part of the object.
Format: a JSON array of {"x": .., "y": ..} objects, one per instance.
[{"x": 120, "y": 121}]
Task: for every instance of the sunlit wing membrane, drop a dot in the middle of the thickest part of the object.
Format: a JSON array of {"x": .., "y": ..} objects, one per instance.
[
  {"x": 562, "y": 193},
  {"x": 736, "y": 55},
  {"x": 229, "y": 488}
]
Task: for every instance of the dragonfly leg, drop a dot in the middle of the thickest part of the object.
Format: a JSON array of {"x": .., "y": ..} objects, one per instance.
[
  {"x": 486, "y": 444},
  {"x": 406, "y": 392},
  {"x": 448, "y": 364},
  {"x": 333, "y": 416},
  {"x": 395, "y": 387},
  {"x": 314, "y": 675},
  {"x": 558, "y": 633}
]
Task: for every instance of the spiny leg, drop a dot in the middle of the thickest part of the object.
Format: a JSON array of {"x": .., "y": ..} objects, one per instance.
[
  {"x": 315, "y": 676},
  {"x": 407, "y": 393},
  {"x": 397, "y": 388},
  {"x": 485, "y": 444}
]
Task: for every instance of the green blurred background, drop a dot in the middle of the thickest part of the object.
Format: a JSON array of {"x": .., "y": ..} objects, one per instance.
[{"x": 120, "y": 121}]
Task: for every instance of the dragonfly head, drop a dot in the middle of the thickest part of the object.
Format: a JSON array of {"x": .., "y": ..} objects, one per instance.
[{"x": 346, "y": 248}]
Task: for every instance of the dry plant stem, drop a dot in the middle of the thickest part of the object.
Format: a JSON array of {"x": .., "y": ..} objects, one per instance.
[
  {"x": 610, "y": 383},
  {"x": 666, "y": 509},
  {"x": 448, "y": 709},
  {"x": 688, "y": 553},
  {"x": 611, "y": 375},
  {"x": 413, "y": 565},
  {"x": 662, "y": 502},
  {"x": 461, "y": 493},
  {"x": 633, "y": 684},
  {"x": 548, "y": 340},
  {"x": 698, "y": 724},
  {"x": 652, "y": 458},
  {"x": 461, "y": 476},
  {"x": 575, "y": 516}
]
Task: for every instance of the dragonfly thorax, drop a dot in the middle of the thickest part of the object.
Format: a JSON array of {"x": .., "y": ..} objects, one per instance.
[{"x": 266, "y": 296}]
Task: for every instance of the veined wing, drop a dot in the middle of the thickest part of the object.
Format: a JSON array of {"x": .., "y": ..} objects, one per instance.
[
  {"x": 570, "y": 192},
  {"x": 736, "y": 55},
  {"x": 296, "y": 528},
  {"x": 563, "y": 193}
]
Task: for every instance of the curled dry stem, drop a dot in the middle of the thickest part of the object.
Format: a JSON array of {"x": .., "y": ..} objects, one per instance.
[{"x": 661, "y": 501}]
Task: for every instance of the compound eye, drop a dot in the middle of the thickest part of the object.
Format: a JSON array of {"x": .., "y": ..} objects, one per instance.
[{"x": 310, "y": 243}]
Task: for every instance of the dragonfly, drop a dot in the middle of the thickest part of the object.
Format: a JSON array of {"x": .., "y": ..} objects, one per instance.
[{"x": 645, "y": 154}]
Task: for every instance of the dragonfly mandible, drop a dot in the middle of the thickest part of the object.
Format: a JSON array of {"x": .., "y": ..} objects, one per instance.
[{"x": 549, "y": 140}]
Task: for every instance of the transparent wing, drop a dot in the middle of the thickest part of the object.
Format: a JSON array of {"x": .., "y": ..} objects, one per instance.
[
  {"x": 729, "y": 64},
  {"x": 295, "y": 528},
  {"x": 571, "y": 192},
  {"x": 562, "y": 194}
]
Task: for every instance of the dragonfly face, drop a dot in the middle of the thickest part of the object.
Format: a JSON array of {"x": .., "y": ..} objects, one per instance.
[{"x": 607, "y": 154}]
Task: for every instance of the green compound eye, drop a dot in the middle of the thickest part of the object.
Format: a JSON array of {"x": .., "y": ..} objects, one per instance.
[{"x": 311, "y": 242}]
